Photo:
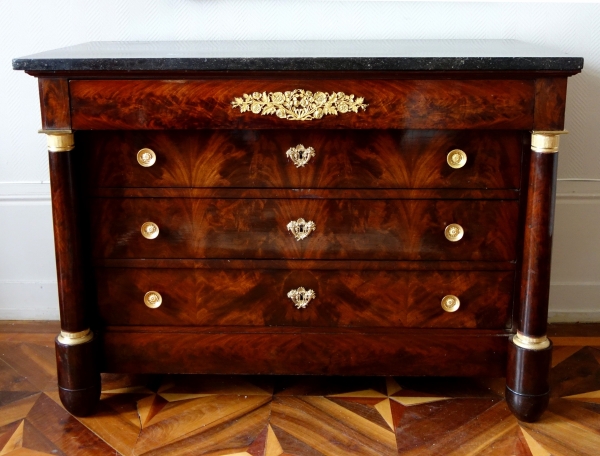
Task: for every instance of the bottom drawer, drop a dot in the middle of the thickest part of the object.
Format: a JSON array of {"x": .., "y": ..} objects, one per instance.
[{"x": 342, "y": 298}]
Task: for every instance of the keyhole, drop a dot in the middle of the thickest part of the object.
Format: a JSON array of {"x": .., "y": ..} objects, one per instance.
[{"x": 300, "y": 154}]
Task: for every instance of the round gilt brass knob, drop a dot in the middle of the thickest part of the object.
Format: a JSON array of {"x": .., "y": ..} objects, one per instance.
[
  {"x": 146, "y": 157},
  {"x": 456, "y": 158},
  {"x": 150, "y": 230},
  {"x": 153, "y": 299},
  {"x": 454, "y": 232},
  {"x": 450, "y": 303}
]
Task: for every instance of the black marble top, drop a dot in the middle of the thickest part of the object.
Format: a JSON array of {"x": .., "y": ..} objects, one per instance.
[{"x": 399, "y": 55}]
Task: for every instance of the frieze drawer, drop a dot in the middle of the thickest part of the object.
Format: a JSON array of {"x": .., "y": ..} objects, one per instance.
[{"x": 185, "y": 104}]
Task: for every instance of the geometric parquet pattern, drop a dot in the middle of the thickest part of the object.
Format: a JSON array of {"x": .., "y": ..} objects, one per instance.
[{"x": 303, "y": 416}]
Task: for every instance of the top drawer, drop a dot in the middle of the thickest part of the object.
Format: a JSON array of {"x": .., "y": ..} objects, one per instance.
[
  {"x": 304, "y": 103},
  {"x": 397, "y": 159}
]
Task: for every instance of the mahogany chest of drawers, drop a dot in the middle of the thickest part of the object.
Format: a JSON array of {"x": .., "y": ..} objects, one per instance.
[{"x": 303, "y": 208}]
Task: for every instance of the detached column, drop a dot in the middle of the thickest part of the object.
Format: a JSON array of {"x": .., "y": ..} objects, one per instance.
[
  {"x": 530, "y": 350},
  {"x": 78, "y": 375}
]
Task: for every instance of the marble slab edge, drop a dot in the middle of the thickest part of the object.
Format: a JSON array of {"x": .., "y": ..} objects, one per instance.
[{"x": 572, "y": 64}]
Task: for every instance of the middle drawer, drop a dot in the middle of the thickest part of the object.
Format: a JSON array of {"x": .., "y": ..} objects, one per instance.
[{"x": 394, "y": 229}]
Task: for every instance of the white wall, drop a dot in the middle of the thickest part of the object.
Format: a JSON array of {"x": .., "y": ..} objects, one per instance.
[{"x": 27, "y": 280}]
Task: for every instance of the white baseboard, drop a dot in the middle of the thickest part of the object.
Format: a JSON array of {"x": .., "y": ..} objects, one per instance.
[
  {"x": 28, "y": 289},
  {"x": 568, "y": 189},
  {"x": 574, "y": 317},
  {"x": 24, "y": 193},
  {"x": 574, "y": 302},
  {"x": 28, "y": 301}
]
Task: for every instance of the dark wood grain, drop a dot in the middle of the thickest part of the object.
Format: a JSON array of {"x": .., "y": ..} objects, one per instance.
[
  {"x": 65, "y": 432},
  {"x": 527, "y": 385},
  {"x": 325, "y": 265},
  {"x": 346, "y": 229},
  {"x": 485, "y": 299},
  {"x": 537, "y": 250},
  {"x": 521, "y": 380},
  {"x": 300, "y": 193},
  {"x": 78, "y": 377},
  {"x": 77, "y": 368},
  {"x": 348, "y": 159},
  {"x": 526, "y": 157},
  {"x": 29, "y": 327},
  {"x": 526, "y": 408},
  {"x": 416, "y": 104},
  {"x": 550, "y": 101},
  {"x": 55, "y": 103},
  {"x": 382, "y": 330},
  {"x": 574, "y": 330},
  {"x": 70, "y": 265},
  {"x": 413, "y": 353},
  {"x": 258, "y": 297},
  {"x": 527, "y": 390}
]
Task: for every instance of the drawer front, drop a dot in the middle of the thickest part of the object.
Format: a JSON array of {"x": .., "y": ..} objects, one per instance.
[
  {"x": 352, "y": 352},
  {"x": 345, "y": 229},
  {"x": 259, "y": 297},
  {"x": 399, "y": 104},
  {"x": 342, "y": 159}
]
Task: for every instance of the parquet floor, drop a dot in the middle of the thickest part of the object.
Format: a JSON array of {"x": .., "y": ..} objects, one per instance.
[{"x": 304, "y": 416}]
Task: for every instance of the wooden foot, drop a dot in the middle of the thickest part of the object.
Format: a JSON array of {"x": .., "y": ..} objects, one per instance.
[
  {"x": 527, "y": 386},
  {"x": 78, "y": 376},
  {"x": 526, "y": 408},
  {"x": 81, "y": 402}
]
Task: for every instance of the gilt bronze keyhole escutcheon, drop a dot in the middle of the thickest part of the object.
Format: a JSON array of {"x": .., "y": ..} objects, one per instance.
[
  {"x": 300, "y": 155},
  {"x": 301, "y": 297},
  {"x": 301, "y": 228}
]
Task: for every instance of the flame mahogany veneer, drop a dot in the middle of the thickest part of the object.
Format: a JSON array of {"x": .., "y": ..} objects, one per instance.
[
  {"x": 379, "y": 189},
  {"x": 346, "y": 298},
  {"x": 346, "y": 159},
  {"x": 413, "y": 104},
  {"x": 390, "y": 229}
]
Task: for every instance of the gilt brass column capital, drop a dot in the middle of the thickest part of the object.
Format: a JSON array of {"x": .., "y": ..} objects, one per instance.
[
  {"x": 59, "y": 140},
  {"x": 530, "y": 343},
  {"x": 75, "y": 338},
  {"x": 546, "y": 142}
]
